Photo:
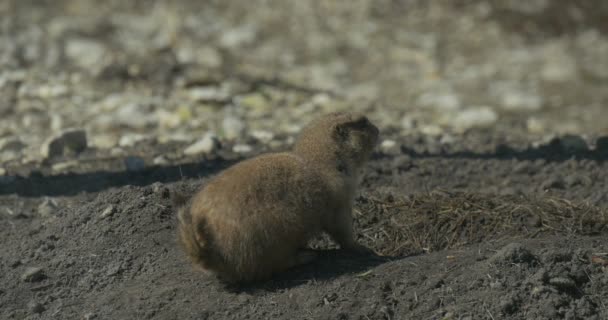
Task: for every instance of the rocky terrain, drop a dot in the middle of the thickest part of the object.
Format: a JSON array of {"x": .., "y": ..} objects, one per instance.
[{"x": 487, "y": 195}]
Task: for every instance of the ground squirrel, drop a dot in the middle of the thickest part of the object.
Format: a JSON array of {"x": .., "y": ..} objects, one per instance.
[{"x": 255, "y": 218}]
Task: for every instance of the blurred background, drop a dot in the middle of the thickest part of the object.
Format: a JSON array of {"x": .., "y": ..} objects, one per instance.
[{"x": 133, "y": 73}]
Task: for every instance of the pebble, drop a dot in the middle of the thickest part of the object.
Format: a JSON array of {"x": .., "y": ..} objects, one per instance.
[
  {"x": 562, "y": 283},
  {"x": 11, "y": 144},
  {"x": 84, "y": 52},
  {"x": 47, "y": 207},
  {"x": 35, "y": 307},
  {"x": 134, "y": 163},
  {"x": 388, "y": 145},
  {"x": 208, "y": 94},
  {"x": 160, "y": 160},
  {"x": 132, "y": 139},
  {"x": 232, "y": 127},
  {"x": 478, "y": 117},
  {"x": 262, "y": 136},
  {"x": 134, "y": 115},
  {"x": 242, "y": 148},
  {"x": 108, "y": 211},
  {"x": 70, "y": 140},
  {"x": 444, "y": 101},
  {"x": 207, "y": 144},
  {"x": 255, "y": 101},
  {"x": 104, "y": 141},
  {"x": 62, "y": 166},
  {"x": 520, "y": 101},
  {"x": 33, "y": 274}
]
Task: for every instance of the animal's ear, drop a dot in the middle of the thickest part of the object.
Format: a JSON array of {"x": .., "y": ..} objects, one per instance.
[{"x": 340, "y": 131}]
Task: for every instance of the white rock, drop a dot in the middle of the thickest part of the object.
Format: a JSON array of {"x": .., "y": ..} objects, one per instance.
[
  {"x": 388, "y": 144},
  {"x": 134, "y": 115},
  {"x": 242, "y": 148},
  {"x": 85, "y": 53},
  {"x": 70, "y": 140},
  {"x": 108, "y": 211},
  {"x": 104, "y": 141},
  {"x": 477, "y": 117},
  {"x": 232, "y": 127},
  {"x": 208, "y": 94},
  {"x": 559, "y": 65},
  {"x": 263, "y": 136},
  {"x": 11, "y": 144},
  {"x": 445, "y": 101},
  {"x": 431, "y": 130},
  {"x": 61, "y": 166},
  {"x": 132, "y": 139},
  {"x": 512, "y": 97},
  {"x": 535, "y": 125},
  {"x": 47, "y": 208},
  {"x": 168, "y": 119},
  {"x": 160, "y": 160},
  {"x": 232, "y": 38},
  {"x": 207, "y": 144}
]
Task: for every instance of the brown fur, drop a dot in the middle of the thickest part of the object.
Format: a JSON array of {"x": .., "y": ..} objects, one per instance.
[{"x": 255, "y": 218}]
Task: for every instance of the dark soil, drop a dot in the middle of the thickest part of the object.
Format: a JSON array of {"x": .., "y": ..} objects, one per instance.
[{"x": 464, "y": 234}]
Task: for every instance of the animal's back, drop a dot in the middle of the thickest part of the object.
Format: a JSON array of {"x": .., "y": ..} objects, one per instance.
[{"x": 259, "y": 211}]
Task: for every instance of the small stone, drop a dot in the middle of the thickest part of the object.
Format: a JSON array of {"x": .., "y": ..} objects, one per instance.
[
  {"x": 110, "y": 210},
  {"x": 134, "y": 163},
  {"x": 68, "y": 141},
  {"x": 2, "y": 171},
  {"x": 242, "y": 148},
  {"x": 104, "y": 141},
  {"x": 512, "y": 253},
  {"x": 33, "y": 274},
  {"x": 535, "y": 125},
  {"x": 388, "y": 145},
  {"x": 85, "y": 53},
  {"x": 47, "y": 208},
  {"x": 130, "y": 140},
  {"x": 35, "y": 307},
  {"x": 232, "y": 127},
  {"x": 262, "y": 136},
  {"x": 521, "y": 101},
  {"x": 255, "y": 101},
  {"x": 89, "y": 316},
  {"x": 431, "y": 130},
  {"x": 207, "y": 144},
  {"x": 62, "y": 166},
  {"x": 479, "y": 117},
  {"x": 135, "y": 115},
  {"x": 11, "y": 144},
  {"x": 444, "y": 101},
  {"x": 208, "y": 94},
  {"x": 562, "y": 283},
  {"x": 160, "y": 160}
]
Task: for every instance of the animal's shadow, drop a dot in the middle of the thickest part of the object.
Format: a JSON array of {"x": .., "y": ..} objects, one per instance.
[{"x": 329, "y": 264}]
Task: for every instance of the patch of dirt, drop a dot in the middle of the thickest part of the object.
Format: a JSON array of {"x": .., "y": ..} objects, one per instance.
[{"x": 463, "y": 238}]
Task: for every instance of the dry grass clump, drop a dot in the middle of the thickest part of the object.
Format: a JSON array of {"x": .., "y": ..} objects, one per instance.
[{"x": 440, "y": 220}]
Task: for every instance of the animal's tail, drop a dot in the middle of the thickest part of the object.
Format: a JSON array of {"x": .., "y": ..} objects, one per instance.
[{"x": 191, "y": 234}]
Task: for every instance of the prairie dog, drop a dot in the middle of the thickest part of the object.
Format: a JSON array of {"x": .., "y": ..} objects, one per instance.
[{"x": 254, "y": 219}]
